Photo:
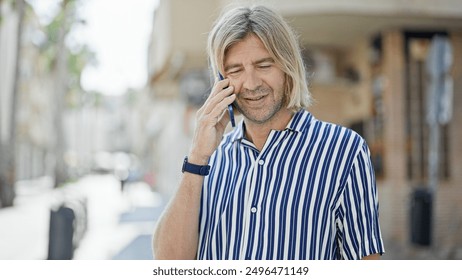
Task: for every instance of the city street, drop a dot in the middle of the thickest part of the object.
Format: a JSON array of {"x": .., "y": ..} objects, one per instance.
[
  {"x": 96, "y": 93},
  {"x": 119, "y": 224}
]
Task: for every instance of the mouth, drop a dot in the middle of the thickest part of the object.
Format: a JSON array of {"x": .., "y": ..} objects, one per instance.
[
  {"x": 254, "y": 98},
  {"x": 254, "y": 102}
]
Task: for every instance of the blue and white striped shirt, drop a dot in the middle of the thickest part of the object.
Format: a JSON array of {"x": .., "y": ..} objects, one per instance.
[{"x": 310, "y": 193}]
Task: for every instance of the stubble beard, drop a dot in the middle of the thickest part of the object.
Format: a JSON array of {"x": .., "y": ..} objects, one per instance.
[{"x": 263, "y": 115}]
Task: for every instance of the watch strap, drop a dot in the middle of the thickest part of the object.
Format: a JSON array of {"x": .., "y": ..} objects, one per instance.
[{"x": 202, "y": 170}]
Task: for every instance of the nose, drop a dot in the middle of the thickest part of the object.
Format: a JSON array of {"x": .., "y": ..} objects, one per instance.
[{"x": 251, "y": 80}]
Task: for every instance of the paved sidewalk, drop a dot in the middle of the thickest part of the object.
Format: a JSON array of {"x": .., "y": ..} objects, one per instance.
[
  {"x": 119, "y": 224},
  {"x": 24, "y": 227}
]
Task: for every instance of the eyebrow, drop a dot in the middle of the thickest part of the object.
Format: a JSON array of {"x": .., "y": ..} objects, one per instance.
[{"x": 263, "y": 60}]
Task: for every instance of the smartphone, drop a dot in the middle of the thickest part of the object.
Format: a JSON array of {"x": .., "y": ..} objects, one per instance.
[{"x": 230, "y": 107}]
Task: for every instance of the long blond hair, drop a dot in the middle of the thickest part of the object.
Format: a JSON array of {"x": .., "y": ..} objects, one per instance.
[{"x": 278, "y": 38}]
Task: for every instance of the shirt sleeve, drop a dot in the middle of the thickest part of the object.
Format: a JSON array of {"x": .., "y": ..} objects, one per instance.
[{"x": 358, "y": 219}]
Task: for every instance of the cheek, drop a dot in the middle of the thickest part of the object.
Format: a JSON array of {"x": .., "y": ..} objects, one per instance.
[
  {"x": 237, "y": 86},
  {"x": 283, "y": 86},
  {"x": 282, "y": 80}
]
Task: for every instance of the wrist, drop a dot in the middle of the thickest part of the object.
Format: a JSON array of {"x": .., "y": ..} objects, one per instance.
[{"x": 197, "y": 159}]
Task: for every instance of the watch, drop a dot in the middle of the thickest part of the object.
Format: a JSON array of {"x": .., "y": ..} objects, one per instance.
[{"x": 202, "y": 170}]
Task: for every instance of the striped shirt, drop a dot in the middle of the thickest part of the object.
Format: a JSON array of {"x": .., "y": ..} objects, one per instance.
[{"x": 310, "y": 193}]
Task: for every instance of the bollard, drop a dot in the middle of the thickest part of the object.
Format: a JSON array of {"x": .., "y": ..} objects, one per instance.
[
  {"x": 61, "y": 234},
  {"x": 68, "y": 225}
]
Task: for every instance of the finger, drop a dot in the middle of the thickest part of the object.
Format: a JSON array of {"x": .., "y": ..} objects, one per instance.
[
  {"x": 224, "y": 120},
  {"x": 220, "y": 110},
  {"x": 217, "y": 88},
  {"x": 212, "y": 102},
  {"x": 216, "y": 114},
  {"x": 220, "y": 85}
]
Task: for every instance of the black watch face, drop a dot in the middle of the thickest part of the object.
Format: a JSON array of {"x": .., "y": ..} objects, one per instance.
[{"x": 185, "y": 161}]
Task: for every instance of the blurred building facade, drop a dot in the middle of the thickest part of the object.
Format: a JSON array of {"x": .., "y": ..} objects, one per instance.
[{"x": 367, "y": 62}]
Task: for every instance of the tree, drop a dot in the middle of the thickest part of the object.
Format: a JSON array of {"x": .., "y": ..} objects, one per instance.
[
  {"x": 58, "y": 52},
  {"x": 7, "y": 149}
]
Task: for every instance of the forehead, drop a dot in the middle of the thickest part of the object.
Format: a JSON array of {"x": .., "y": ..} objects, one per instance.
[{"x": 248, "y": 50}]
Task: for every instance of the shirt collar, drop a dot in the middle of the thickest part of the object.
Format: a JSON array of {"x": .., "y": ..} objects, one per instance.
[
  {"x": 238, "y": 132},
  {"x": 298, "y": 123}
]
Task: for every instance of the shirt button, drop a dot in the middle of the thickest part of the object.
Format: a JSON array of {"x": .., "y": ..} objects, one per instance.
[
  {"x": 261, "y": 162},
  {"x": 253, "y": 210}
]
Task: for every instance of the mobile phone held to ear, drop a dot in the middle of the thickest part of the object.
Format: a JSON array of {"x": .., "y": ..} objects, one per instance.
[{"x": 230, "y": 107}]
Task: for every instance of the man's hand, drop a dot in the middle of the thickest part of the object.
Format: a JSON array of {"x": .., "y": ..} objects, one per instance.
[{"x": 211, "y": 122}]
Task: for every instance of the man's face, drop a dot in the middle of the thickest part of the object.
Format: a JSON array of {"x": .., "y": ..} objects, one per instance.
[{"x": 258, "y": 81}]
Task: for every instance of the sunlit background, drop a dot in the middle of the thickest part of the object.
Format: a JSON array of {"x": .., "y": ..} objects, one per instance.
[
  {"x": 111, "y": 30},
  {"x": 98, "y": 98}
]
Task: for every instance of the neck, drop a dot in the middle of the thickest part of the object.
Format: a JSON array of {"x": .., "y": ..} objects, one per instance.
[{"x": 258, "y": 133}]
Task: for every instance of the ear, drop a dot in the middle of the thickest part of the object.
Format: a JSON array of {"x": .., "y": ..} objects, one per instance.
[{"x": 288, "y": 90}]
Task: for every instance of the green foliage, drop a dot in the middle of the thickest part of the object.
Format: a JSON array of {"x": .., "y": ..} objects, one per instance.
[
  {"x": 6, "y": 2},
  {"x": 77, "y": 61},
  {"x": 51, "y": 47},
  {"x": 77, "y": 58}
]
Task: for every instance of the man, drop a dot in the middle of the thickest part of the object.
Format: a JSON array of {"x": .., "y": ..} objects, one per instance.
[{"x": 281, "y": 185}]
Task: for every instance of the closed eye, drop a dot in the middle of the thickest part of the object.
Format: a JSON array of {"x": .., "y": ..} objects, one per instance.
[
  {"x": 233, "y": 71},
  {"x": 264, "y": 66}
]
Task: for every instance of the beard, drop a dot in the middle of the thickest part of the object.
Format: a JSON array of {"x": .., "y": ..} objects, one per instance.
[{"x": 264, "y": 112}]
